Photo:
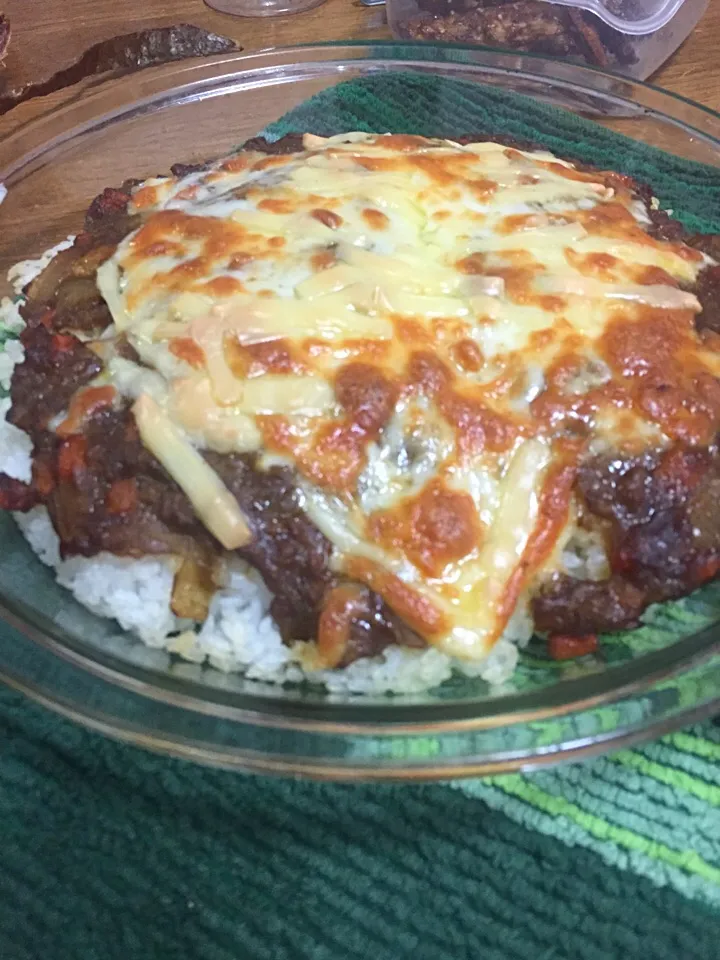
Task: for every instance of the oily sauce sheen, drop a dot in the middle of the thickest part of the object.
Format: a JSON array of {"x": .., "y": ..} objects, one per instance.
[{"x": 432, "y": 337}]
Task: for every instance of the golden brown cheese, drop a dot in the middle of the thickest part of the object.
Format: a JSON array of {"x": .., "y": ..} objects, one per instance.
[{"x": 431, "y": 335}]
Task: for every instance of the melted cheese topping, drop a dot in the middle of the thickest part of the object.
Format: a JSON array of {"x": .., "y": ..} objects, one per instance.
[{"x": 431, "y": 335}]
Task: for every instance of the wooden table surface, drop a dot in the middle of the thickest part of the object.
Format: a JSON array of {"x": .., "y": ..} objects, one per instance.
[{"x": 50, "y": 34}]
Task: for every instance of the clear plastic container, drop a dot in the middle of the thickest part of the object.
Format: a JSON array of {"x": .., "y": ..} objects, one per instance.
[{"x": 634, "y": 37}]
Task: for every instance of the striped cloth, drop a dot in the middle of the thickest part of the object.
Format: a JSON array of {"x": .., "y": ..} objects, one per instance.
[{"x": 109, "y": 852}]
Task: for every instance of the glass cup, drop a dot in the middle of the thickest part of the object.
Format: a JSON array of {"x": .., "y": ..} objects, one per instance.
[{"x": 262, "y": 8}]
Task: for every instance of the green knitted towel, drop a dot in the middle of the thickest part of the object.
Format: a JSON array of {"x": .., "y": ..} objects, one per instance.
[{"x": 109, "y": 852}]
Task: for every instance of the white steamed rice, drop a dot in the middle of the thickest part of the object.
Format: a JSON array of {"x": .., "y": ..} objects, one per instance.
[{"x": 239, "y": 633}]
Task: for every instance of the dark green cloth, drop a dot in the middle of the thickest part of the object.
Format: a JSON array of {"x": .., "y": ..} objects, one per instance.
[{"x": 110, "y": 852}]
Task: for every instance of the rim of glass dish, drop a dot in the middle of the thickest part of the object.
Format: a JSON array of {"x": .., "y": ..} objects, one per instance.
[
  {"x": 105, "y": 102},
  {"x": 118, "y": 94},
  {"x": 248, "y": 761}
]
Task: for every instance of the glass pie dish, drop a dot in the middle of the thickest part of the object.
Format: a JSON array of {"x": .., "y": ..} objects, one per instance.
[{"x": 641, "y": 683}]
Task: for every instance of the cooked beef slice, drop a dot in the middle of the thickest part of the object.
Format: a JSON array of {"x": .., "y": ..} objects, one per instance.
[
  {"x": 286, "y": 547},
  {"x": 54, "y": 367},
  {"x": 16, "y": 495},
  {"x": 576, "y": 607},
  {"x": 662, "y": 514}
]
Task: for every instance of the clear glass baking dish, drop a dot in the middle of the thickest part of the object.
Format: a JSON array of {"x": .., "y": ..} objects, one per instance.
[{"x": 642, "y": 684}]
